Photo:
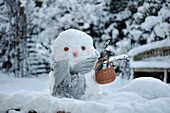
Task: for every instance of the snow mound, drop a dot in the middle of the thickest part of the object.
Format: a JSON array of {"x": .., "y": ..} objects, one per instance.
[
  {"x": 160, "y": 105},
  {"x": 45, "y": 103},
  {"x": 146, "y": 87},
  {"x": 142, "y": 95}
]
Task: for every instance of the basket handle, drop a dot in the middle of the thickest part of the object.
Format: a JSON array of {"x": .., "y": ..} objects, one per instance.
[{"x": 100, "y": 60}]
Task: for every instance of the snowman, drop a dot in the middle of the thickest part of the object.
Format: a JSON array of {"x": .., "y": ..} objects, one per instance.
[{"x": 72, "y": 69}]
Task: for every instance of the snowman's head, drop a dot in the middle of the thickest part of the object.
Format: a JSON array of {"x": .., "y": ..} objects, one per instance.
[{"x": 73, "y": 45}]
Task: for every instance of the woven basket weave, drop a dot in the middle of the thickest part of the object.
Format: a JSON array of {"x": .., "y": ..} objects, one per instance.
[{"x": 105, "y": 76}]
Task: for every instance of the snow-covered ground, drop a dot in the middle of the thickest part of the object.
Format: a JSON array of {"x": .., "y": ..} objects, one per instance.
[
  {"x": 10, "y": 84},
  {"x": 142, "y": 95}
]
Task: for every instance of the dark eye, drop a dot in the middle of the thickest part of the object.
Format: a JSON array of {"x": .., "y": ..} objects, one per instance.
[
  {"x": 83, "y": 48},
  {"x": 66, "y": 49}
]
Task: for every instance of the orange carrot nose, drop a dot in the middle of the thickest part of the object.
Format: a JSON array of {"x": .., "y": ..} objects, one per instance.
[{"x": 75, "y": 54}]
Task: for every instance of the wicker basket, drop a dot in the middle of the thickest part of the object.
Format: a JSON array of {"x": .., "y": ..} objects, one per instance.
[{"x": 105, "y": 76}]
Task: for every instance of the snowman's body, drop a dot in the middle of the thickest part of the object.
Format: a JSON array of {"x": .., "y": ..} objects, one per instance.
[
  {"x": 92, "y": 87},
  {"x": 75, "y": 46}
]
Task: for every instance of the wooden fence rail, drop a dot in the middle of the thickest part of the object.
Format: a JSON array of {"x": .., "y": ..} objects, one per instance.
[{"x": 153, "y": 53}]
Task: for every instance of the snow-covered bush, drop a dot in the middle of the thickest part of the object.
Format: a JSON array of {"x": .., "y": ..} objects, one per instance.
[
  {"x": 54, "y": 17},
  {"x": 148, "y": 23}
]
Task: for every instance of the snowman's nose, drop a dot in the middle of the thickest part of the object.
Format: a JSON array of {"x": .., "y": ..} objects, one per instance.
[{"x": 75, "y": 54}]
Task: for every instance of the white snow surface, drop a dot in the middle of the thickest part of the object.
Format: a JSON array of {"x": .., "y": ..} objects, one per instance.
[
  {"x": 162, "y": 29},
  {"x": 150, "y": 22},
  {"x": 154, "y": 45},
  {"x": 142, "y": 95},
  {"x": 153, "y": 62},
  {"x": 147, "y": 88},
  {"x": 119, "y": 57}
]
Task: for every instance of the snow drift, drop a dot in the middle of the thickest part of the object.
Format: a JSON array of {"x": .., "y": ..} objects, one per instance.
[
  {"x": 148, "y": 88},
  {"x": 141, "y": 95}
]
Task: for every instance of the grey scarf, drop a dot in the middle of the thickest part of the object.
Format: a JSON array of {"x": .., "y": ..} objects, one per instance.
[{"x": 70, "y": 81}]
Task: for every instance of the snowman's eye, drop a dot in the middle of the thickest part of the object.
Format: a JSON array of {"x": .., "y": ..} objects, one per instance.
[
  {"x": 66, "y": 49},
  {"x": 83, "y": 48}
]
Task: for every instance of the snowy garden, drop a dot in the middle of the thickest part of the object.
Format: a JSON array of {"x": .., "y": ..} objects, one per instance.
[{"x": 84, "y": 56}]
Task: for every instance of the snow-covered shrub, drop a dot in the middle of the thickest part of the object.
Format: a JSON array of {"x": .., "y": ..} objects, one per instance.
[
  {"x": 55, "y": 17},
  {"x": 148, "y": 24}
]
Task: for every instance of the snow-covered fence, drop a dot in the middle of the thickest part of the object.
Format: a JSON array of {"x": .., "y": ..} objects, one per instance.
[
  {"x": 151, "y": 60},
  {"x": 165, "y": 51}
]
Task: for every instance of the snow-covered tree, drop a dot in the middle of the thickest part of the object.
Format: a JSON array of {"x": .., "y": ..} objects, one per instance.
[
  {"x": 139, "y": 22},
  {"x": 14, "y": 40},
  {"x": 54, "y": 17},
  {"x": 37, "y": 64},
  {"x": 4, "y": 26},
  {"x": 147, "y": 22}
]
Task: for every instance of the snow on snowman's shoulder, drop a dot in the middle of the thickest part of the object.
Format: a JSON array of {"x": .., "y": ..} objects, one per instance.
[{"x": 147, "y": 87}]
